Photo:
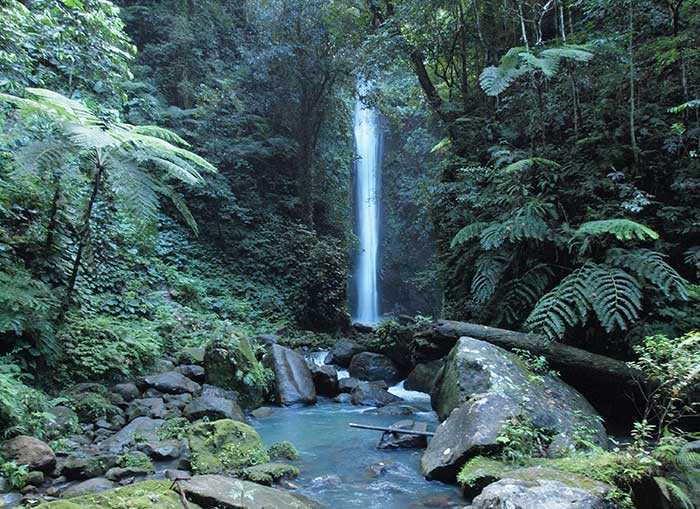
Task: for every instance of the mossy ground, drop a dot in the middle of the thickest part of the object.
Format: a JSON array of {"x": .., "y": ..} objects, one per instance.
[{"x": 143, "y": 495}]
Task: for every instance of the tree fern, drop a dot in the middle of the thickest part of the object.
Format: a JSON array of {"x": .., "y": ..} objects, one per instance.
[
  {"x": 489, "y": 269},
  {"x": 651, "y": 267},
  {"x": 615, "y": 296},
  {"x": 621, "y": 229},
  {"x": 494, "y": 81},
  {"x": 521, "y": 294},
  {"x": 494, "y": 236},
  {"x": 674, "y": 492},
  {"x": 567, "y": 305},
  {"x": 469, "y": 232}
]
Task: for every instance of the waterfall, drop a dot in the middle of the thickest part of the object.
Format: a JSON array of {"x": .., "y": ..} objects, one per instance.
[{"x": 368, "y": 143}]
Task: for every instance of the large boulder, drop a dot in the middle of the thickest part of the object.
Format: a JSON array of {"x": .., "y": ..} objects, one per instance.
[
  {"x": 294, "y": 381},
  {"x": 146, "y": 407},
  {"x": 227, "y": 493},
  {"x": 172, "y": 382},
  {"x": 347, "y": 384},
  {"x": 213, "y": 408},
  {"x": 224, "y": 361},
  {"x": 422, "y": 378},
  {"x": 26, "y": 450},
  {"x": 536, "y": 494},
  {"x": 225, "y": 445},
  {"x": 373, "y": 394},
  {"x": 61, "y": 421},
  {"x": 391, "y": 440},
  {"x": 374, "y": 366},
  {"x": 325, "y": 380},
  {"x": 342, "y": 352},
  {"x": 481, "y": 388},
  {"x": 143, "y": 434},
  {"x": 95, "y": 485}
]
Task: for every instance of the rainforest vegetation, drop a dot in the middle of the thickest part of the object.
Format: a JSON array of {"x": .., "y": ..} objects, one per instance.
[{"x": 177, "y": 207}]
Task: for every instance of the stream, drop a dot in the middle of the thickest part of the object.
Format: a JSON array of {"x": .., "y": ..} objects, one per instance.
[{"x": 341, "y": 466}]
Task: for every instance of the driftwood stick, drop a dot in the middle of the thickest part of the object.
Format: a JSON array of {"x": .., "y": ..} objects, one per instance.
[
  {"x": 178, "y": 488},
  {"x": 393, "y": 430}
]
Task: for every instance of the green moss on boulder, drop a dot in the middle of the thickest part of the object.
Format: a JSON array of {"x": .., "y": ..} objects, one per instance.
[
  {"x": 143, "y": 495},
  {"x": 268, "y": 473},
  {"x": 283, "y": 450},
  {"x": 225, "y": 445}
]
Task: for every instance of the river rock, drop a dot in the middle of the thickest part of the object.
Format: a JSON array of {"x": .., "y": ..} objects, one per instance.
[
  {"x": 96, "y": 485},
  {"x": 422, "y": 378},
  {"x": 395, "y": 409},
  {"x": 128, "y": 391},
  {"x": 325, "y": 380},
  {"x": 262, "y": 412},
  {"x": 192, "y": 371},
  {"x": 374, "y": 366},
  {"x": 63, "y": 421},
  {"x": 191, "y": 355},
  {"x": 400, "y": 440},
  {"x": 26, "y": 450},
  {"x": 343, "y": 397},
  {"x": 294, "y": 382},
  {"x": 536, "y": 494},
  {"x": 213, "y": 408},
  {"x": 222, "y": 445},
  {"x": 172, "y": 382},
  {"x": 347, "y": 384},
  {"x": 372, "y": 394},
  {"x": 147, "y": 407},
  {"x": 213, "y": 390},
  {"x": 79, "y": 466},
  {"x": 342, "y": 352},
  {"x": 228, "y": 493},
  {"x": 480, "y": 388},
  {"x": 223, "y": 360},
  {"x": 142, "y": 434},
  {"x": 269, "y": 473}
]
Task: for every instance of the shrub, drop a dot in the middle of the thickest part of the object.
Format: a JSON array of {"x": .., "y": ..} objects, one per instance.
[
  {"x": 16, "y": 474},
  {"x": 136, "y": 460},
  {"x": 21, "y": 406}
]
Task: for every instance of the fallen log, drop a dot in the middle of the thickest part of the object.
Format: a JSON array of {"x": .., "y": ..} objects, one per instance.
[{"x": 392, "y": 430}]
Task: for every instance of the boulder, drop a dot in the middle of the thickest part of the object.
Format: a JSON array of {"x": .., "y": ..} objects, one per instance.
[
  {"x": 128, "y": 391},
  {"x": 118, "y": 473},
  {"x": 343, "y": 397},
  {"x": 269, "y": 473},
  {"x": 213, "y": 390},
  {"x": 373, "y": 367},
  {"x": 325, "y": 380},
  {"x": 213, "y": 408},
  {"x": 402, "y": 441},
  {"x": 191, "y": 355},
  {"x": 394, "y": 409},
  {"x": 422, "y": 378},
  {"x": 223, "y": 359},
  {"x": 372, "y": 394},
  {"x": 347, "y": 384},
  {"x": 192, "y": 371},
  {"x": 228, "y": 493},
  {"x": 342, "y": 352},
  {"x": 536, "y": 494},
  {"x": 83, "y": 466},
  {"x": 146, "y": 407},
  {"x": 224, "y": 445},
  {"x": 95, "y": 485},
  {"x": 262, "y": 412},
  {"x": 294, "y": 382},
  {"x": 480, "y": 388},
  {"x": 26, "y": 450},
  {"x": 142, "y": 434},
  {"x": 63, "y": 421},
  {"x": 172, "y": 382}
]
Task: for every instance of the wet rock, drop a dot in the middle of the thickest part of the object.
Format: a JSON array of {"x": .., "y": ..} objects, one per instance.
[
  {"x": 63, "y": 421},
  {"x": 228, "y": 493},
  {"x": 347, "y": 384},
  {"x": 172, "y": 382},
  {"x": 222, "y": 362},
  {"x": 96, "y": 485},
  {"x": 422, "y": 378},
  {"x": 116, "y": 474},
  {"x": 380, "y": 468},
  {"x": 163, "y": 365},
  {"x": 269, "y": 473},
  {"x": 190, "y": 355},
  {"x": 262, "y": 412},
  {"x": 35, "y": 478},
  {"x": 374, "y": 366},
  {"x": 294, "y": 382},
  {"x": 147, "y": 407},
  {"x": 26, "y": 450},
  {"x": 343, "y": 397},
  {"x": 325, "y": 380},
  {"x": 372, "y": 394},
  {"x": 173, "y": 474},
  {"x": 142, "y": 434},
  {"x": 226, "y": 444},
  {"x": 403, "y": 441},
  {"x": 483, "y": 386},
  {"x": 536, "y": 494},
  {"x": 395, "y": 409},
  {"x": 268, "y": 339},
  {"x": 192, "y": 371},
  {"x": 81, "y": 466},
  {"x": 213, "y": 408},
  {"x": 212, "y": 390},
  {"x": 342, "y": 352}
]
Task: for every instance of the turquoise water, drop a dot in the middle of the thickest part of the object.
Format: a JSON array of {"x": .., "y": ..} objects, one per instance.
[{"x": 341, "y": 467}]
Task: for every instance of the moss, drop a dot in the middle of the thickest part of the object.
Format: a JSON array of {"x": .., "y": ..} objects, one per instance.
[
  {"x": 268, "y": 473},
  {"x": 143, "y": 495},
  {"x": 283, "y": 450},
  {"x": 136, "y": 459},
  {"x": 225, "y": 445}
]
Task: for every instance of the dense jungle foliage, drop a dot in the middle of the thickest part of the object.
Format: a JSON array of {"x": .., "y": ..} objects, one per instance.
[{"x": 175, "y": 172}]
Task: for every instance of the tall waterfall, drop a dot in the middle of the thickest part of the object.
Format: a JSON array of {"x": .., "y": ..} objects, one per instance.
[{"x": 368, "y": 143}]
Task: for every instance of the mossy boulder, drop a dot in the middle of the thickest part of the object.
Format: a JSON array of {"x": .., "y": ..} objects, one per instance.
[
  {"x": 143, "y": 495},
  {"x": 283, "y": 450},
  {"x": 225, "y": 445},
  {"x": 268, "y": 473},
  {"x": 226, "y": 363}
]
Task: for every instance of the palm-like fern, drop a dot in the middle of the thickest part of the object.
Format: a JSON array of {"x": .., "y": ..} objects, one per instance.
[
  {"x": 489, "y": 269},
  {"x": 651, "y": 268}
]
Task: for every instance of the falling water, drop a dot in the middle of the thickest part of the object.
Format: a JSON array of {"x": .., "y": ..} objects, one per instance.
[{"x": 368, "y": 142}]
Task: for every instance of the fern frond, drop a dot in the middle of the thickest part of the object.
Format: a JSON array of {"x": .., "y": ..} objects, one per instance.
[
  {"x": 493, "y": 236},
  {"x": 621, "y": 229},
  {"x": 37, "y": 157},
  {"x": 673, "y": 492},
  {"x": 687, "y": 459},
  {"x": 135, "y": 189},
  {"x": 522, "y": 293},
  {"x": 166, "y": 148},
  {"x": 548, "y": 66},
  {"x": 692, "y": 104},
  {"x": 159, "y": 132},
  {"x": 181, "y": 207},
  {"x": 494, "y": 81},
  {"x": 525, "y": 164},
  {"x": 651, "y": 266},
  {"x": 692, "y": 256},
  {"x": 90, "y": 137},
  {"x": 529, "y": 222},
  {"x": 567, "y": 305},
  {"x": 179, "y": 169},
  {"x": 489, "y": 269},
  {"x": 575, "y": 53},
  {"x": 616, "y": 297},
  {"x": 469, "y": 232}
]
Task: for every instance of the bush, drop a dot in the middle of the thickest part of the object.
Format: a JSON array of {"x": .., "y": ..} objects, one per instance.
[
  {"x": 99, "y": 347},
  {"x": 136, "y": 460},
  {"x": 21, "y": 406}
]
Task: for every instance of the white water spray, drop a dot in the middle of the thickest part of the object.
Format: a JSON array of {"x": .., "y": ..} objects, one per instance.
[{"x": 368, "y": 143}]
